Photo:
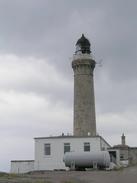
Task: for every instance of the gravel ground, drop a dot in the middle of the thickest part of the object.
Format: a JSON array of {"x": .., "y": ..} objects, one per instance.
[{"x": 127, "y": 175}]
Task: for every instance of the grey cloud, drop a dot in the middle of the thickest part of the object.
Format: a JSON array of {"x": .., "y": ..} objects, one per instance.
[
  {"x": 49, "y": 28},
  {"x": 115, "y": 96},
  {"x": 29, "y": 75}
]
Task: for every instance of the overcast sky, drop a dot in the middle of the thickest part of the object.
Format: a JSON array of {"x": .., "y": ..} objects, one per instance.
[{"x": 37, "y": 42}]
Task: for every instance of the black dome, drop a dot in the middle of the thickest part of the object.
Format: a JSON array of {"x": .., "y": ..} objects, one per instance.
[{"x": 84, "y": 44}]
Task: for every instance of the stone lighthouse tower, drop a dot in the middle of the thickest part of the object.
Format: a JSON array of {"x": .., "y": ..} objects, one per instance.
[{"x": 84, "y": 102}]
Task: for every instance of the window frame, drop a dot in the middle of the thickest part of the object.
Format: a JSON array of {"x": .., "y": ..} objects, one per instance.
[
  {"x": 86, "y": 146},
  {"x": 67, "y": 145},
  {"x": 47, "y": 149}
]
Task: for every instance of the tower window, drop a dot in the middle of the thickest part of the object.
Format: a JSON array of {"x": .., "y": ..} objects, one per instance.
[
  {"x": 66, "y": 147},
  {"x": 47, "y": 149},
  {"x": 86, "y": 146}
]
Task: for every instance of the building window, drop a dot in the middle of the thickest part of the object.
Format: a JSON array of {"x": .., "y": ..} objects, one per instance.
[
  {"x": 66, "y": 147},
  {"x": 47, "y": 149},
  {"x": 121, "y": 157},
  {"x": 86, "y": 146}
]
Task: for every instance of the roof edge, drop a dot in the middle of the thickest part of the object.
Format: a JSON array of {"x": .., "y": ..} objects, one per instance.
[{"x": 65, "y": 136}]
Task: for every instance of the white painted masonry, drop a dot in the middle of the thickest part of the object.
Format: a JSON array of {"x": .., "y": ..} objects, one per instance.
[
  {"x": 22, "y": 166},
  {"x": 55, "y": 160}
]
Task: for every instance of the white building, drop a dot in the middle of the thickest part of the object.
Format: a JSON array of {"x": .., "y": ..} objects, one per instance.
[{"x": 49, "y": 151}]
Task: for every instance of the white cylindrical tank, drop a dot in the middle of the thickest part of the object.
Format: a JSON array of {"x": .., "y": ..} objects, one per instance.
[{"x": 87, "y": 159}]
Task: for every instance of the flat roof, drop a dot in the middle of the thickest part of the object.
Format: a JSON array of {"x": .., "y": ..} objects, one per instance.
[
  {"x": 22, "y": 161},
  {"x": 65, "y": 136},
  {"x": 132, "y": 147}
]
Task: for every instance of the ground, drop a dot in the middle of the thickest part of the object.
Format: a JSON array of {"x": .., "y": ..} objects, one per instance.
[{"x": 127, "y": 175}]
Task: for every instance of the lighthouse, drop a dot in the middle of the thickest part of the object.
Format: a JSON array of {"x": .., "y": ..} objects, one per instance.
[
  {"x": 84, "y": 145},
  {"x": 84, "y": 101}
]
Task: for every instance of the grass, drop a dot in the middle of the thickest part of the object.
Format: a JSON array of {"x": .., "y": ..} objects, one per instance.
[
  {"x": 39, "y": 181},
  {"x": 23, "y": 178},
  {"x": 71, "y": 182}
]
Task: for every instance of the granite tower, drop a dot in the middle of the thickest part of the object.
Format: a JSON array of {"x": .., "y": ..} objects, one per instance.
[{"x": 84, "y": 101}]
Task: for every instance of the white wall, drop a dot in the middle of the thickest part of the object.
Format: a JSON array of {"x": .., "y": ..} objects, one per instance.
[
  {"x": 55, "y": 160},
  {"x": 104, "y": 145},
  {"x": 22, "y": 166}
]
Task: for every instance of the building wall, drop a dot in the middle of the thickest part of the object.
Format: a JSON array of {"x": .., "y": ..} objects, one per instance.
[
  {"x": 104, "y": 145},
  {"x": 22, "y": 166},
  {"x": 55, "y": 160},
  {"x": 124, "y": 154},
  {"x": 133, "y": 156}
]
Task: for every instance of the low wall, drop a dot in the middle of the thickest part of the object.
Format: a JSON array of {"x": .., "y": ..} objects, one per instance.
[{"x": 22, "y": 166}]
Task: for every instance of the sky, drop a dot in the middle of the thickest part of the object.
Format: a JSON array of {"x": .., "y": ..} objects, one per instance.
[{"x": 37, "y": 43}]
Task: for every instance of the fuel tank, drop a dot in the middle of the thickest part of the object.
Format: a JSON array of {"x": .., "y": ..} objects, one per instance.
[{"x": 87, "y": 159}]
